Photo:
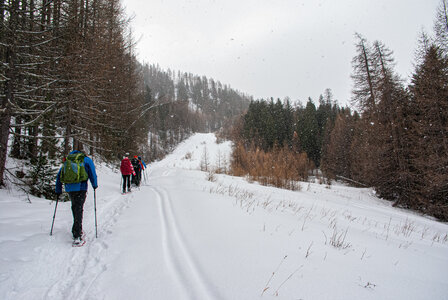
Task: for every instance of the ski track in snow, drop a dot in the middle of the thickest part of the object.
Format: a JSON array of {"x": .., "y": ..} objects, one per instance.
[
  {"x": 86, "y": 263},
  {"x": 178, "y": 257},
  {"x": 77, "y": 281}
]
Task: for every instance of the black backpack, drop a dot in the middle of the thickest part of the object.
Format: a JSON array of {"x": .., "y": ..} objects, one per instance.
[{"x": 135, "y": 164}]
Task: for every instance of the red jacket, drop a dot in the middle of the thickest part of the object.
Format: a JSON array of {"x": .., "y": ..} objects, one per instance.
[{"x": 126, "y": 167}]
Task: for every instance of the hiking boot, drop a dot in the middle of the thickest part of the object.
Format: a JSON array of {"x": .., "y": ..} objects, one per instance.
[{"x": 78, "y": 242}]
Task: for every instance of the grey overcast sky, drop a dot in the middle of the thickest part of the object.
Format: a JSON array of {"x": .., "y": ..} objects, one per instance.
[{"x": 276, "y": 48}]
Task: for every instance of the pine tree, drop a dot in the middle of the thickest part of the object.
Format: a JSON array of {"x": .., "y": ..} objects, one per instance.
[{"x": 308, "y": 129}]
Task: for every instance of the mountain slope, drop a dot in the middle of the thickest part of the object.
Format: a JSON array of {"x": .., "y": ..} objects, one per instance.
[{"x": 181, "y": 236}]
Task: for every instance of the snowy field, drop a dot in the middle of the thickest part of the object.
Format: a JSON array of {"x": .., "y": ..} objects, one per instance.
[{"x": 182, "y": 236}]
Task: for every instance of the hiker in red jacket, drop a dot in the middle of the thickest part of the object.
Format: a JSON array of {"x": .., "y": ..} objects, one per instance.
[{"x": 126, "y": 171}]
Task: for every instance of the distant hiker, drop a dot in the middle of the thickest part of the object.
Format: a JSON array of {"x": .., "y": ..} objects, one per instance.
[
  {"x": 126, "y": 171},
  {"x": 138, "y": 170},
  {"x": 143, "y": 165},
  {"x": 76, "y": 170},
  {"x": 142, "y": 162}
]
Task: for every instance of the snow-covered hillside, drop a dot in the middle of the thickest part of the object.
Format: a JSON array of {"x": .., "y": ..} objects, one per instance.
[{"x": 182, "y": 236}]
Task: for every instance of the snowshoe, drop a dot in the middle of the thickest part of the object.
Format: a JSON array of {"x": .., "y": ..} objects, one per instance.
[{"x": 78, "y": 242}]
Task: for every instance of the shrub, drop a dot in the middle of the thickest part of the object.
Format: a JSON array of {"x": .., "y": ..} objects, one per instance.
[{"x": 280, "y": 167}]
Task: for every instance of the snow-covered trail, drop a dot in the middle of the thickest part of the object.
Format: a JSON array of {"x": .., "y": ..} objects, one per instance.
[
  {"x": 180, "y": 236},
  {"x": 152, "y": 254}
]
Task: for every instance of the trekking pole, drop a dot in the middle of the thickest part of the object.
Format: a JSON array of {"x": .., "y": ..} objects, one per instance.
[
  {"x": 54, "y": 215},
  {"x": 144, "y": 176},
  {"x": 94, "y": 204}
]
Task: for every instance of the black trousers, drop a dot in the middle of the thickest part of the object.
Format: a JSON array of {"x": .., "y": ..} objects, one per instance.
[
  {"x": 77, "y": 199},
  {"x": 139, "y": 174},
  {"x": 126, "y": 182},
  {"x": 136, "y": 178}
]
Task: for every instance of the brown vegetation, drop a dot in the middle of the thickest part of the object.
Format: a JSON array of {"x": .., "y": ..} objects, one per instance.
[{"x": 280, "y": 167}]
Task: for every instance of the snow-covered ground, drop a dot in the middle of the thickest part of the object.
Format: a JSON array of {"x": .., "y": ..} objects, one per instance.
[{"x": 182, "y": 236}]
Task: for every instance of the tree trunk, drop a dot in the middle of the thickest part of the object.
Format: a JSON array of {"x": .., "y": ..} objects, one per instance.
[
  {"x": 5, "y": 110},
  {"x": 16, "y": 150}
]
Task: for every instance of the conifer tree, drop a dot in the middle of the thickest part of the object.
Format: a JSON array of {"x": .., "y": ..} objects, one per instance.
[
  {"x": 337, "y": 159},
  {"x": 392, "y": 104},
  {"x": 308, "y": 129},
  {"x": 429, "y": 127},
  {"x": 441, "y": 27},
  {"x": 68, "y": 77},
  {"x": 26, "y": 81}
]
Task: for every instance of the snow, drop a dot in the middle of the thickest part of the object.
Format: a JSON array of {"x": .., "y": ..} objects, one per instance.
[{"x": 181, "y": 236}]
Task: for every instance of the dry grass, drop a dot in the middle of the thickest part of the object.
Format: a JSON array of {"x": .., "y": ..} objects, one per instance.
[
  {"x": 281, "y": 167},
  {"x": 211, "y": 176},
  {"x": 337, "y": 240}
]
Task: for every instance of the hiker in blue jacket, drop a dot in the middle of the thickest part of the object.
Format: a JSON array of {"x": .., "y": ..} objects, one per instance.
[
  {"x": 77, "y": 193},
  {"x": 143, "y": 165},
  {"x": 142, "y": 162}
]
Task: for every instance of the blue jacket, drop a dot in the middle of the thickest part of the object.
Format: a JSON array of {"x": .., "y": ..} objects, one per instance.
[
  {"x": 141, "y": 160},
  {"x": 81, "y": 186}
]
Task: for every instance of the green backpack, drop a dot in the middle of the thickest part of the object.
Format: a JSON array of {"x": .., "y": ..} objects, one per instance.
[{"x": 73, "y": 170}]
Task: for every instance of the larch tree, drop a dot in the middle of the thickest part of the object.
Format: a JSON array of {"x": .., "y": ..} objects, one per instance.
[
  {"x": 68, "y": 78},
  {"x": 392, "y": 173},
  {"x": 441, "y": 27},
  {"x": 26, "y": 81},
  {"x": 429, "y": 126},
  {"x": 336, "y": 160}
]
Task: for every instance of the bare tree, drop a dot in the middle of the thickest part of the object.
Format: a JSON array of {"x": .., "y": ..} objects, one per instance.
[
  {"x": 363, "y": 77},
  {"x": 441, "y": 27},
  {"x": 25, "y": 82},
  {"x": 429, "y": 127}
]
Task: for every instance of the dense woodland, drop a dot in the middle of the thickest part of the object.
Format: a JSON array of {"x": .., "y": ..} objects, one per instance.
[
  {"x": 69, "y": 80},
  {"x": 68, "y": 77},
  {"x": 395, "y": 141}
]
